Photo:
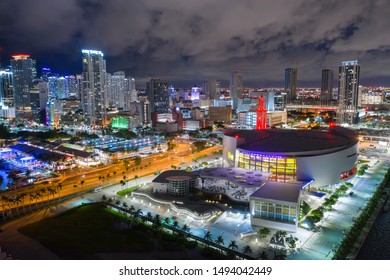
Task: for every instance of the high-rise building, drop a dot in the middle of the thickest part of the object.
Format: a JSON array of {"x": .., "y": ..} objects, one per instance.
[
  {"x": 326, "y": 86},
  {"x": 291, "y": 83},
  {"x": 24, "y": 72},
  {"x": 212, "y": 89},
  {"x": 118, "y": 89},
  {"x": 93, "y": 96},
  {"x": 6, "y": 88},
  {"x": 157, "y": 93},
  {"x": 235, "y": 88},
  {"x": 349, "y": 74}
]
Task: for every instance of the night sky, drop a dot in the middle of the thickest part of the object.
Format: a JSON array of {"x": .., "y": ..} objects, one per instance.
[{"x": 190, "y": 41}]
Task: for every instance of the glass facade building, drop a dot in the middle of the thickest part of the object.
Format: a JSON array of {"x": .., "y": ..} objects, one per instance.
[
  {"x": 282, "y": 168},
  {"x": 280, "y": 212}
]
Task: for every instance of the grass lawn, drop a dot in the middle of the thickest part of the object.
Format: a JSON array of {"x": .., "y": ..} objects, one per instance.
[
  {"x": 86, "y": 230},
  {"x": 127, "y": 191},
  {"x": 89, "y": 230}
]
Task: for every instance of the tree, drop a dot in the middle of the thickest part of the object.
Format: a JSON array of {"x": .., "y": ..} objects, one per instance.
[
  {"x": 104, "y": 198},
  {"x": 185, "y": 228},
  {"x": 167, "y": 220},
  {"x": 137, "y": 161},
  {"x": 175, "y": 224},
  {"x": 208, "y": 236},
  {"x": 280, "y": 255},
  {"x": 247, "y": 250},
  {"x": 233, "y": 245},
  {"x": 157, "y": 222},
  {"x": 219, "y": 240},
  {"x": 264, "y": 232},
  {"x": 263, "y": 255}
]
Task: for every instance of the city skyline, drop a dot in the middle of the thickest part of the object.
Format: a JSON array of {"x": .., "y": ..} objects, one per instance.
[{"x": 187, "y": 43}]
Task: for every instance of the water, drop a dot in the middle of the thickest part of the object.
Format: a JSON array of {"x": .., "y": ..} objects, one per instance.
[{"x": 377, "y": 244}]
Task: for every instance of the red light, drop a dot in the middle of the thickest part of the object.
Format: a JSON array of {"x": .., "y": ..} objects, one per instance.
[
  {"x": 20, "y": 56},
  {"x": 236, "y": 136},
  {"x": 332, "y": 125}
]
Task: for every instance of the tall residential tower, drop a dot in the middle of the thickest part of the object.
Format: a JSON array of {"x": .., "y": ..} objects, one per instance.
[
  {"x": 349, "y": 74},
  {"x": 93, "y": 95},
  {"x": 24, "y": 72},
  {"x": 326, "y": 86},
  {"x": 235, "y": 87},
  {"x": 290, "y": 84}
]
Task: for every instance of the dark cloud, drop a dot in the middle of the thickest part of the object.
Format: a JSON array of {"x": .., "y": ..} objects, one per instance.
[{"x": 197, "y": 40}]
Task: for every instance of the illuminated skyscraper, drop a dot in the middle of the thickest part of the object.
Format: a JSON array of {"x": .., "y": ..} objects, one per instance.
[
  {"x": 261, "y": 115},
  {"x": 157, "y": 92},
  {"x": 6, "y": 88},
  {"x": 93, "y": 95},
  {"x": 326, "y": 86},
  {"x": 349, "y": 75},
  {"x": 290, "y": 84},
  {"x": 24, "y": 72},
  {"x": 235, "y": 87}
]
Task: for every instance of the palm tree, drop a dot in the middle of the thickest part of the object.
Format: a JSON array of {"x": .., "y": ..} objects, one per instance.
[
  {"x": 157, "y": 221},
  {"x": 74, "y": 188},
  {"x": 233, "y": 245},
  {"x": 59, "y": 189},
  {"x": 263, "y": 255},
  {"x": 124, "y": 204},
  {"x": 280, "y": 255},
  {"x": 104, "y": 197},
  {"x": 132, "y": 209},
  {"x": 82, "y": 184},
  {"x": 22, "y": 196},
  {"x": 42, "y": 191},
  {"x": 208, "y": 236},
  {"x": 247, "y": 250},
  {"x": 149, "y": 216},
  {"x": 51, "y": 191},
  {"x": 175, "y": 224},
  {"x": 219, "y": 240},
  {"x": 4, "y": 201},
  {"x": 185, "y": 228},
  {"x": 167, "y": 220},
  {"x": 137, "y": 214}
]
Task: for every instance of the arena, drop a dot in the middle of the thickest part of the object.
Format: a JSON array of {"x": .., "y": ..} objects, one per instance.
[{"x": 322, "y": 157}]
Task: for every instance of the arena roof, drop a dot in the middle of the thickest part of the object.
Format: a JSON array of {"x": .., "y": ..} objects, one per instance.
[
  {"x": 288, "y": 140},
  {"x": 279, "y": 191},
  {"x": 238, "y": 176}
]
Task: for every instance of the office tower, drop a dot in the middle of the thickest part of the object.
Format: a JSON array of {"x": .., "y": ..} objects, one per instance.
[
  {"x": 157, "y": 93},
  {"x": 212, "y": 89},
  {"x": 326, "y": 86},
  {"x": 93, "y": 97},
  {"x": 130, "y": 93},
  {"x": 349, "y": 74},
  {"x": 290, "y": 84},
  {"x": 35, "y": 104},
  {"x": 235, "y": 87},
  {"x": 58, "y": 87},
  {"x": 118, "y": 89},
  {"x": 6, "y": 88},
  {"x": 24, "y": 71},
  {"x": 72, "y": 85}
]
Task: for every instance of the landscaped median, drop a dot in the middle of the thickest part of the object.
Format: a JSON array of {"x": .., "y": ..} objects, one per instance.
[{"x": 128, "y": 190}]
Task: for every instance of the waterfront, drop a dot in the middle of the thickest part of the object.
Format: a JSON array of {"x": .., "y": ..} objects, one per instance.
[{"x": 377, "y": 243}]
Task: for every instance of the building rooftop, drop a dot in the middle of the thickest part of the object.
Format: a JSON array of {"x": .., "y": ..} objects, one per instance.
[
  {"x": 163, "y": 177},
  {"x": 238, "y": 176},
  {"x": 279, "y": 191},
  {"x": 288, "y": 140}
]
